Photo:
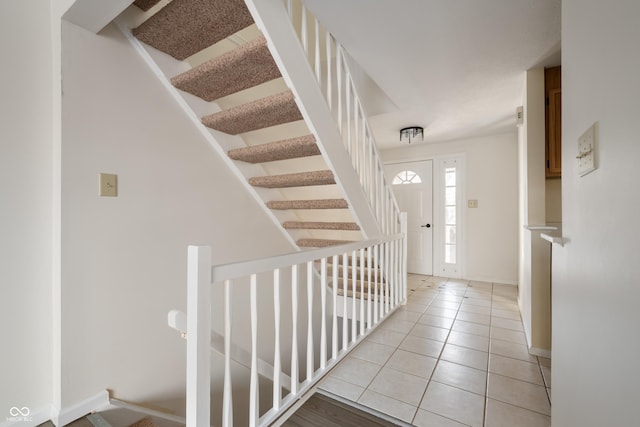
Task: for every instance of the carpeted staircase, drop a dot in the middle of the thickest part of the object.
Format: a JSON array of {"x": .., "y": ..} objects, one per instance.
[{"x": 183, "y": 28}]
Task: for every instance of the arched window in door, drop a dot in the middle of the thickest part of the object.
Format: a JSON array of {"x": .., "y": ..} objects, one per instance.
[{"x": 406, "y": 177}]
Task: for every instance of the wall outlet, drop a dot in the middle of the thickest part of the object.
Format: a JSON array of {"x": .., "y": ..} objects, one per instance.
[
  {"x": 108, "y": 185},
  {"x": 472, "y": 204}
]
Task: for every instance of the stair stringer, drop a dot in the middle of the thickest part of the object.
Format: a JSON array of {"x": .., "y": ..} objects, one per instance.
[
  {"x": 272, "y": 19},
  {"x": 194, "y": 108}
]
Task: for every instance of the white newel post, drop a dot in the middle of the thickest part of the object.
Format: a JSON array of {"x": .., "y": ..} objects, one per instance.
[
  {"x": 198, "y": 335},
  {"x": 403, "y": 280}
]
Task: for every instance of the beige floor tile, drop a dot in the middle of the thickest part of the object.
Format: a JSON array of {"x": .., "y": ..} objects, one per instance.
[
  {"x": 501, "y": 322},
  {"x": 463, "y": 377},
  {"x": 507, "y": 314},
  {"x": 510, "y": 349},
  {"x": 429, "y": 419},
  {"x": 373, "y": 352},
  {"x": 544, "y": 361},
  {"x": 412, "y": 363},
  {"x": 401, "y": 386},
  {"x": 386, "y": 337},
  {"x": 430, "y": 332},
  {"x": 470, "y": 328},
  {"x": 445, "y": 304},
  {"x": 449, "y": 298},
  {"x": 478, "y": 302},
  {"x": 482, "y": 319},
  {"x": 407, "y": 315},
  {"x": 341, "y": 388},
  {"x": 500, "y": 303},
  {"x": 388, "y": 405},
  {"x": 508, "y": 335},
  {"x": 442, "y": 312},
  {"x": 454, "y": 403},
  {"x": 420, "y": 299},
  {"x": 519, "y": 393},
  {"x": 515, "y": 368},
  {"x": 546, "y": 373},
  {"x": 465, "y": 356},
  {"x": 480, "y": 285},
  {"x": 440, "y": 322},
  {"x": 475, "y": 342},
  {"x": 356, "y": 371},
  {"x": 422, "y": 346},
  {"x": 397, "y": 325},
  {"x": 477, "y": 309},
  {"x": 500, "y": 414},
  {"x": 415, "y": 307}
]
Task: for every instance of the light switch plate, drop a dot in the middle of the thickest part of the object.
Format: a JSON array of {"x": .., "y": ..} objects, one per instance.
[
  {"x": 472, "y": 203},
  {"x": 587, "y": 150},
  {"x": 108, "y": 185}
]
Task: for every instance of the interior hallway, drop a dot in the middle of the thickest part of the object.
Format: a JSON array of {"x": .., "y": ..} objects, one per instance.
[{"x": 455, "y": 355}]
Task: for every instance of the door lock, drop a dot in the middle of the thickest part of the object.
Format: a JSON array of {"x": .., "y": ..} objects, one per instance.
[{"x": 426, "y": 226}]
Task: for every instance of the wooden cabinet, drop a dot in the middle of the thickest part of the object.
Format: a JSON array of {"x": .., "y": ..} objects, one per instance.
[{"x": 553, "y": 121}]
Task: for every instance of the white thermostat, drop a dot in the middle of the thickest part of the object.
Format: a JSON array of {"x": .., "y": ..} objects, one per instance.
[{"x": 587, "y": 148}]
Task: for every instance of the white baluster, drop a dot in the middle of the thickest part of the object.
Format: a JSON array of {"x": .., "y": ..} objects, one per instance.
[
  {"x": 198, "y": 335},
  {"x": 310, "y": 363},
  {"x": 227, "y": 399},
  {"x": 334, "y": 330},
  {"x": 345, "y": 282},
  {"x": 362, "y": 292},
  {"x": 254, "y": 402},
  {"x": 347, "y": 89},
  {"x": 356, "y": 128},
  {"x": 403, "y": 220},
  {"x": 317, "y": 51},
  {"x": 329, "y": 73},
  {"x": 323, "y": 305},
  {"x": 375, "y": 284},
  {"x": 354, "y": 288},
  {"x": 305, "y": 36},
  {"x": 294, "y": 330},
  {"x": 369, "y": 313},
  {"x": 277, "y": 369},
  {"x": 339, "y": 77}
]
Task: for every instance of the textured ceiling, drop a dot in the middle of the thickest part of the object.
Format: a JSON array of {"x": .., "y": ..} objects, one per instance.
[{"x": 455, "y": 67}]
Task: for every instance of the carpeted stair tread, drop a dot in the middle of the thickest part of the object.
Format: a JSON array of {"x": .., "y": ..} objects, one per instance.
[
  {"x": 145, "y": 422},
  {"x": 308, "y": 204},
  {"x": 262, "y": 113},
  {"x": 293, "y": 148},
  {"x": 318, "y": 225},
  {"x": 321, "y": 243},
  {"x": 146, "y": 4},
  {"x": 377, "y": 274},
  {"x": 184, "y": 27},
  {"x": 246, "y": 66},
  {"x": 301, "y": 179}
]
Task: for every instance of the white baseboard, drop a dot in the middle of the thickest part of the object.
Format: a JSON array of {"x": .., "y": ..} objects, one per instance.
[
  {"x": 95, "y": 403},
  {"x": 540, "y": 352},
  {"x": 497, "y": 281}
]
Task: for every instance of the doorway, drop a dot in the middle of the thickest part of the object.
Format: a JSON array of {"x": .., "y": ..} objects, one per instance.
[{"x": 412, "y": 185}]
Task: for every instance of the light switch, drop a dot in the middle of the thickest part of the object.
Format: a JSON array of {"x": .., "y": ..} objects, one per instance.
[
  {"x": 472, "y": 203},
  {"x": 587, "y": 149},
  {"x": 108, "y": 185}
]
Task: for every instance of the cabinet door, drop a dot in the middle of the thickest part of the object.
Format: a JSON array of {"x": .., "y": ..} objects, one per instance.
[
  {"x": 554, "y": 151},
  {"x": 553, "y": 121}
]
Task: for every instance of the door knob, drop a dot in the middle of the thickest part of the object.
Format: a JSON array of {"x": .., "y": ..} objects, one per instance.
[{"x": 426, "y": 226}]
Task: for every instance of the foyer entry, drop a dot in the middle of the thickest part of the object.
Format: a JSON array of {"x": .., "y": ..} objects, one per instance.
[{"x": 412, "y": 185}]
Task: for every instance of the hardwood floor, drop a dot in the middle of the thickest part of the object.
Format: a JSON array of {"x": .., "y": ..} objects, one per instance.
[{"x": 323, "y": 411}]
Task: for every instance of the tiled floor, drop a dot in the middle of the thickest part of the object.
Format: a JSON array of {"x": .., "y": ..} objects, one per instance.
[{"x": 455, "y": 355}]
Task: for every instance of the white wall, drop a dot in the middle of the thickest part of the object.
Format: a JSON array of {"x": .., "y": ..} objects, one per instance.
[
  {"x": 124, "y": 258},
  {"x": 491, "y": 230},
  {"x": 595, "y": 285},
  {"x": 25, "y": 217}
]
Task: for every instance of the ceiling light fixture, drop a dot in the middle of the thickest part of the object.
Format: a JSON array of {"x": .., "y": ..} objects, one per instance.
[{"x": 410, "y": 133}]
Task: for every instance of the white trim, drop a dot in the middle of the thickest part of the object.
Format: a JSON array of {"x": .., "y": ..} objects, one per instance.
[
  {"x": 115, "y": 403},
  {"x": 540, "y": 352},
  {"x": 497, "y": 281},
  {"x": 95, "y": 403}
]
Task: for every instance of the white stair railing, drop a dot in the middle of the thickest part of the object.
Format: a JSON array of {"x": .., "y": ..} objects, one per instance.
[
  {"x": 331, "y": 69},
  {"x": 314, "y": 340}
]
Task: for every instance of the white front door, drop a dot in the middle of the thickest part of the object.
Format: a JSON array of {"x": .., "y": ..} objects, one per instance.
[{"x": 412, "y": 185}]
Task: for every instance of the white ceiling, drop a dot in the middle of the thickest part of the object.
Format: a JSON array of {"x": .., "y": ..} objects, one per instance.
[{"x": 455, "y": 67}]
